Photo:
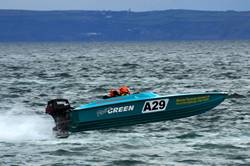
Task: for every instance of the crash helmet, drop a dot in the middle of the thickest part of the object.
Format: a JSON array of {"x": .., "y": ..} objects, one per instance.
[{"x": 124, "y": 90}]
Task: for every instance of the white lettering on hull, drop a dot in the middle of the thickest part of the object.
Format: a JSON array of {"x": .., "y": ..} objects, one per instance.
[{"x": 120, "y": 109}]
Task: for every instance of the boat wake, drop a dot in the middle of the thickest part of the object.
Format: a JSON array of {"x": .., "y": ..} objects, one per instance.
[{"x": 19, "y": 127}]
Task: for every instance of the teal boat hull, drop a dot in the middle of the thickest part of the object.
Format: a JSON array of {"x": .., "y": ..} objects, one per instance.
[{"x": 141, "y": 108}]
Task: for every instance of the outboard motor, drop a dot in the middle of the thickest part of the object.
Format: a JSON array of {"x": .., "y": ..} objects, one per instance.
[{"x": 59, "y": 109}]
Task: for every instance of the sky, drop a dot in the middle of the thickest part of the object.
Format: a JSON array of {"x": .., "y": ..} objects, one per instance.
[{"x": 133, "y": 5}]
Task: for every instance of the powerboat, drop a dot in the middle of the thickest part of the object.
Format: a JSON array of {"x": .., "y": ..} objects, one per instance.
[{"x": 137, "y": 108}]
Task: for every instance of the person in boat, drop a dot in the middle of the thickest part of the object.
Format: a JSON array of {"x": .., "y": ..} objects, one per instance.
[
  {"x": 123, "y": 91},
  {"x": 112, "y": 93}
]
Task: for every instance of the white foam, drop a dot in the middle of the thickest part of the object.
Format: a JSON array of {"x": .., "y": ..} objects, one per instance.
[{"x": 25, "y": 127}]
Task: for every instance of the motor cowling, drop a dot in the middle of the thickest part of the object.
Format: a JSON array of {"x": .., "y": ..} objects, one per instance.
[{"x": 59, "y": 109}]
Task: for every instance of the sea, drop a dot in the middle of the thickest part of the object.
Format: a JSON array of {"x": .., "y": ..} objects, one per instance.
[{"x": 33, "y": 73}]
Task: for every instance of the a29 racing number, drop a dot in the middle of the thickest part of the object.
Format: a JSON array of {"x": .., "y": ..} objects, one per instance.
[{"x": 155, "y": 106}]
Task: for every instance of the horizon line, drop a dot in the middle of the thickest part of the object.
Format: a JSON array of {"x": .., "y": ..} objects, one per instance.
[{"x": 128, "y": 10}]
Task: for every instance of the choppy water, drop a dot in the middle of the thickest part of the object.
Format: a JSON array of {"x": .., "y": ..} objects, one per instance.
[{"x": 32, "y": 73}]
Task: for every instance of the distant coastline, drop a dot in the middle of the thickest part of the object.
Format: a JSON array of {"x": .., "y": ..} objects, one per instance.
[{"x": 28, "y": 26}]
